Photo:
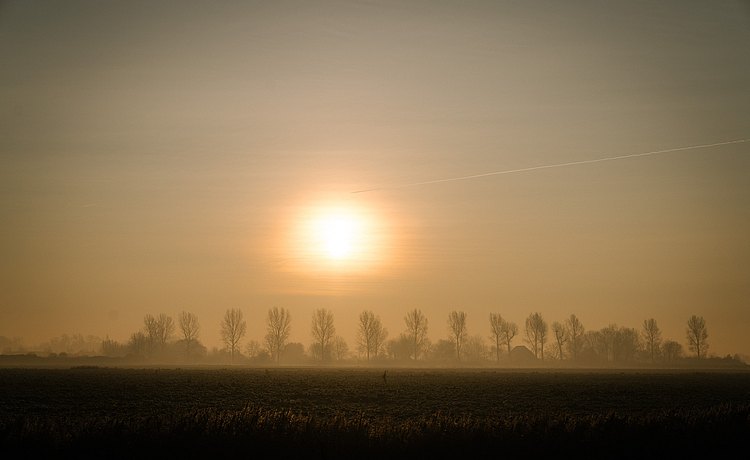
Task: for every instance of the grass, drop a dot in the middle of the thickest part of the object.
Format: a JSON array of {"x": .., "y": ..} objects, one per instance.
[
  {"x": 328, "y": 424},
  {"x": 276, "y": 432}
]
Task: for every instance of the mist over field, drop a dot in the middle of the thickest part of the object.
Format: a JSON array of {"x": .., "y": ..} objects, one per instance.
[{"x": 566, "y": 344}]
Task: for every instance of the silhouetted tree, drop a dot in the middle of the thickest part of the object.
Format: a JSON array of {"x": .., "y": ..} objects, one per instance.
[
  {"x": 609, "y": 337},
  {"x": 652, "y": 337},
  {"x": 138, "y": 344},
  {"x": 294, "y": 352},
  {"x": 536, "y": 334},
  {"x": 371, "y": 335},
  {"x": 627, "y": 344},
  {"x": 496, "y": 328},
  {"x": 152, "y": 333},
  {"x": 474, "y": 349},
  {"x": 165, "y": 327},
  {"x": 561, "y": 337},
  {"x": 443, "y": 351},
  {"x": 340, "y": 348},
  {"x": 158, "y": 331},
  {"x": 189, "y": 328},
  {"x": 233, "y": 328},
  {"x": 253, "y": 348},
  {"x": 618, "y": 344},
  {"x": 401, "y": 349},
  {"x": 11, "y": 345},
  {"x": 672, "y": 350},
  {"x": 594, "y": 346},
  {"x": 457, "y": 328},
  {"x": 416, "y": 331},
  {"x": 323, "y": 332},
  {"x": 261, "y": 357},
  {"x": 113, "y": 348},
  {"x": 73, "y": 344},
  {"x": 575, "y": 336},
  {"x": 508, "y": 331},
  {"x": 278, "y": 328},
  {"x": 697, "y": 336}
]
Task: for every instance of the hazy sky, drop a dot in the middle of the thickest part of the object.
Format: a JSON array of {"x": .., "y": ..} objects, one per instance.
[{"x": 166, "y": 156}]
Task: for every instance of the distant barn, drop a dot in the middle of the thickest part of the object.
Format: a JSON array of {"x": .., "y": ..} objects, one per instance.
[{"x": 522, "y": 355}]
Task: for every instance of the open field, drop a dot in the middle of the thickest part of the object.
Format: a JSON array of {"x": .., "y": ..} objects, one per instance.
[{"x": 340, "y": 412}]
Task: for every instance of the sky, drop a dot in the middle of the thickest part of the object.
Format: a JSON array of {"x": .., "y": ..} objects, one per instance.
[{"x": 169, "y": 156}]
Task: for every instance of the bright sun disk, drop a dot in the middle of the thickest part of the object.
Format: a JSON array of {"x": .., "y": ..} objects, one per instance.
[
  {"x": 337, "y": 235},
  {"x": 343, "y": 237}
]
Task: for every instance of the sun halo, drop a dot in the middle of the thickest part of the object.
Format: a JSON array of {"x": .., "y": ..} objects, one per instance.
[{"x": 338, "y": 237}]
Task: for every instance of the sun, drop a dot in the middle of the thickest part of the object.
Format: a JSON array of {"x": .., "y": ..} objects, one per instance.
[
  {"x": 338, "y": 234},
  {"x": 341, "y": 237}
]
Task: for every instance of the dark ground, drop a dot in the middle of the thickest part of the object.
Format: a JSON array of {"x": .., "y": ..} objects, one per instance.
[{"x": 327, "y": 413}]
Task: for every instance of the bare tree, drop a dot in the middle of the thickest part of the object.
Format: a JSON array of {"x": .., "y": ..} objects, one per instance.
[
  {"x": 561, "y": 337},
  {"x": 400, "y": 349},
  {"x": 652, "y": 337},
  {"x": 628, "y": 344},
  {"x": 323, "y": 331},
  {"x": 474, "y": 349},
  {"x": 609, "y": 341},
  {"x": 379, "y": 336},
  {"x": 697, "y": 334},
  {"x": 672, "y": 350},
  {"x": 340, "y": 348},
  {"x": 112, "y": 348},
  {"x": 508, "y": 329},
  {"x": 416, "y": 331},
  {"x": 371, "y": 335},
  {"x": 138, "y": 344},
  {"x": 496, "y": 327},
  {"x": 165, "y": 327},
  {"x": 278, "y": 327},
  {"x": 158, "y": 331},
  {"x": 189, "y": 328},
  {"x": 575, "y": 336},
  {"x": 594, "y": 345},
  {"x": 232, "y": 330},
  {"x": 618, "y": 344},
  {"x": 152, "y": 333},
  {"x": 253, "y": 348},
  {"x": 536, "y": 334},
  {"x": 457, "y": 328}
]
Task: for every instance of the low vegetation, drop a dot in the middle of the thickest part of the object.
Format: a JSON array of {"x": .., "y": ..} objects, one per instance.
[{"x": 365, "y": 413}]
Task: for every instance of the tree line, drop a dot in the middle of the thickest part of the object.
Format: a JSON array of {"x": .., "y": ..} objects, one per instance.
[{"x": 536, "y": 341}]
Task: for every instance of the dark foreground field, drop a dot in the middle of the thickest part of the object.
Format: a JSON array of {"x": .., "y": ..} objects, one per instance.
[{"x": 309, "y": 413}]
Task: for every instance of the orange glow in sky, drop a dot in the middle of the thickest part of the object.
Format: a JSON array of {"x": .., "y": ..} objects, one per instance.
[
  {"x": 338, "y": 237},
  {"x": 199, "y": 158}
]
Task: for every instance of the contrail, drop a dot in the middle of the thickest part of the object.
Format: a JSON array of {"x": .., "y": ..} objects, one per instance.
[{"x": 555, "y": 165}]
